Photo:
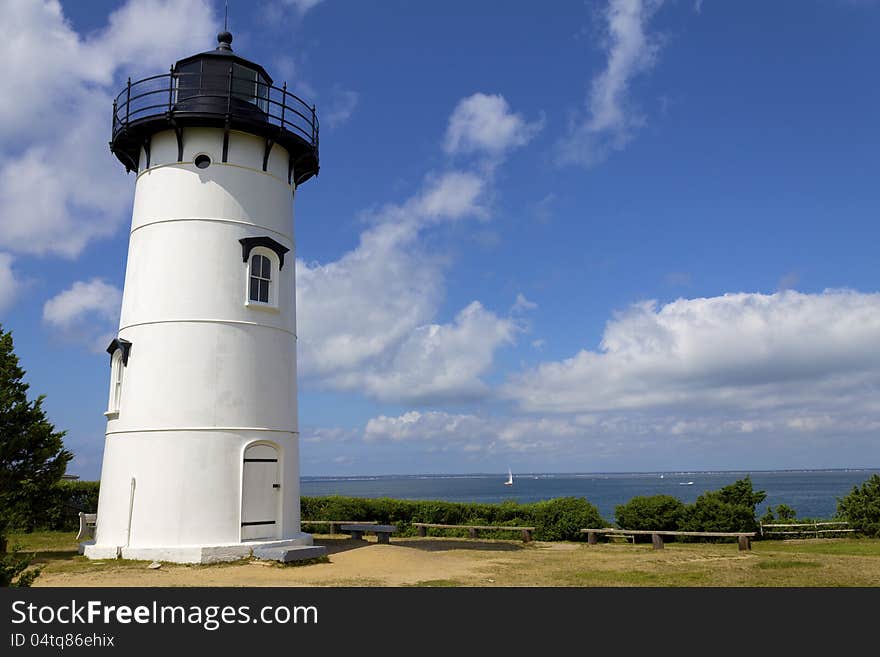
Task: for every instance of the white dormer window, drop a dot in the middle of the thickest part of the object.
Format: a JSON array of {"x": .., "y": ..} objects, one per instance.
[
  {"x": 264, "y": 260},
  {"x": 116, "y": 373},
  {"x": 118, "y": 350}
]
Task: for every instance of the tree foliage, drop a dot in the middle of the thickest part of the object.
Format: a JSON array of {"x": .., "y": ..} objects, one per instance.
[
  {"x": 32, "y": 460},
  {"x": 654, "y": 512},
  {"x": 861, "y": 507},
  {"x": 730, "y": 509},
  {"x": 32, "y": 454}
]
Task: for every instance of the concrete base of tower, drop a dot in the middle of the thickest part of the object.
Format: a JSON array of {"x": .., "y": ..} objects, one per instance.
[{"x": 273, "y": 549}]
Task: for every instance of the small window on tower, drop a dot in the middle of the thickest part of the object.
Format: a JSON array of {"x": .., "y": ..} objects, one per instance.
[
  {"x": 260, "y": 279},
  {"x": 264, "y": 285},
  {"x": 117, "y": 371}
]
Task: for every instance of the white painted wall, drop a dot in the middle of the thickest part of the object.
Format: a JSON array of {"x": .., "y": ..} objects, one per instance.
[{"x": 207, "y": 374}]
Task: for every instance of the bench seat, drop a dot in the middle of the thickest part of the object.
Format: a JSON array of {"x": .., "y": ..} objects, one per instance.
[{"x": 383, "y": 532}]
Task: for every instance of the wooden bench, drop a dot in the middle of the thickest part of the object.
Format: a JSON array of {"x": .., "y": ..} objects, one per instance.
[
  {"x": 743, "y": 538},
  {"x": 383, "y": 532},
  {"x": 526, "y": 532},
  {"x": 334, "y": 524},
  {"x": 87, "y": 524}
]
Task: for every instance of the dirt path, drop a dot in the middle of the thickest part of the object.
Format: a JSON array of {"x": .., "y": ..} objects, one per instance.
[{"x": 351, "y": 563}]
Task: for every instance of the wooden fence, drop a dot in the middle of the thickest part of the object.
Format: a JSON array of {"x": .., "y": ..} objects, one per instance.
[{"x": 805, "y": 529}]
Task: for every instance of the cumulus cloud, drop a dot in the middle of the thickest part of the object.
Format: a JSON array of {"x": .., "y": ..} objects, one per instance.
[
  {"x": 367, "y": 320},
  {"x": 339, "y": 107},
  {"x": 303, "y": 6},
  {"x": 610, "y": 121},
  {"x": 484, "y": 123},
  {"x": 59, "y": 114},
  {"x": 8, "y": 283},
  {"x": 86, "y": 312},
  {"x": 744, "y": 352}
]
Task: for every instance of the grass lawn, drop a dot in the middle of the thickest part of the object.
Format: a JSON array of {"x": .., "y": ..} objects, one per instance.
[{"x": 444, "y": 562}]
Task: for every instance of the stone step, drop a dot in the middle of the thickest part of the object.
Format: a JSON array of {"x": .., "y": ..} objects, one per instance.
[{"x": 290, "y": 553}]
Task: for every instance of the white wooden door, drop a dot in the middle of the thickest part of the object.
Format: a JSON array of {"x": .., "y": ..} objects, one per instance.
[{"x": 260, "y": 493}]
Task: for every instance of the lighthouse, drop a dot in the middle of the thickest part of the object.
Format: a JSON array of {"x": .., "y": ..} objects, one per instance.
[{"x": 201, "y": 455}]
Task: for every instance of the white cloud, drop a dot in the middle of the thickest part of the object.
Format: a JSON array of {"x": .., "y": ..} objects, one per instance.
[
  {"x": 303, "y": 6},
  {"x": 365, "y": 323},
  {"x": 59, "y": 186},
  {"x": 8, "y": 282},
  {"x": 454, "y": 195},
  {"x": 610, "y": 121},
  {"x": 522, "y": 304},
  {"x": 437, "y": 361},
  {"x": 484, "y": 123},
  {"x": 366, "y": 320},
  {"x": 86, "y": 312},
  {"x": 339, "y": 107},
  {"x": 735, "y": 353}
]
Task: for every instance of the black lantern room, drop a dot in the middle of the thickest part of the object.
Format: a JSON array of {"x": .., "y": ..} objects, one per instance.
[{"x": 219, "y": 89}]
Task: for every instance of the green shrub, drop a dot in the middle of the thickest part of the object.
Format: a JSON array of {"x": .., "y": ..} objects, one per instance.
[
  {"x": 655, "y": 512},
  {"x": 730, "y": 509},
  {"x": 554, "y": 520},
  {"x": 561, "y": 519},
  {"x": 861, "y": 508},
  {"x": 68, "y": 499}
]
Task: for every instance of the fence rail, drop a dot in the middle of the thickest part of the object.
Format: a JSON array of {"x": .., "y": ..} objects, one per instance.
[{"x": 805, "y": 528}]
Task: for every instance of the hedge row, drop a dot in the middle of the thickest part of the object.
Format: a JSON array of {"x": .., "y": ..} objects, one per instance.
[
  {"x": 559, "y": 519},
  {"x": 554, "y": 520},
  {"x": 60, "y": 509},
  {"x": 731, "y": 508}
]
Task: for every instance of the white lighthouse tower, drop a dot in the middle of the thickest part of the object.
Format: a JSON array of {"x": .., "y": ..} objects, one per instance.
[{"x": 201, "y": 459}]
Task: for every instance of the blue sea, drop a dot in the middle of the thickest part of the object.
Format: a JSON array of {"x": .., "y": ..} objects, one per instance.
[{"x": 811, "y": 493}]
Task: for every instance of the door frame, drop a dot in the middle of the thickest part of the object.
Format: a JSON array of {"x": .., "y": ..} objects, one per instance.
[{"x": 279, "y": 475}]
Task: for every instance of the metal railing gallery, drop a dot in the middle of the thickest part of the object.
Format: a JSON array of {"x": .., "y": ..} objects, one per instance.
[{"x": 222, "y": 96}]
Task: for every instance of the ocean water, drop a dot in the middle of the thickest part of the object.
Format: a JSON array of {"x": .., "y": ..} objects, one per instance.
[{"x": 811, "y": 493}]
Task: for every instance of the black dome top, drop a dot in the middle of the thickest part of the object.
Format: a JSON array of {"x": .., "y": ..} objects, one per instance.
[{"x": 224, "y": 50}]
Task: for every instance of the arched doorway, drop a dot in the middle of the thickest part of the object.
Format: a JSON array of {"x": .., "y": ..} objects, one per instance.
[{"x": 260, "y": 492}]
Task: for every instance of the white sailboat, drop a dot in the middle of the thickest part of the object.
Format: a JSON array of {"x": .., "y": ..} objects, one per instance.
[{"x": 509, "y": 481}]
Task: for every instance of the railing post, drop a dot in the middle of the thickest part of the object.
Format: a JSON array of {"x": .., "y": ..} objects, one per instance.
[
  {"x": 283, "y": 102},
  {"x": 170, "y": 88},
  {"x": 314, "y": 127},
  {"x": 113, "y": 127},
  {"x": 229, "y": 93},
  {"x": 127, "y": 100}
]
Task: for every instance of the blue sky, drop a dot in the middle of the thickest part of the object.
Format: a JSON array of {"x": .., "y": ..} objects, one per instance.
[{"x": 619, "y": 235}]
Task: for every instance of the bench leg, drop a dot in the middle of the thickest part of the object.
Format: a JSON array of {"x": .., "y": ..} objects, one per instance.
[
  {"x": 592, "y": 538},
  {"x": 526, "y": 535},
  {"x": 744, "y": 543},
  {"x": 657, "y": 540},
  {"x": 332, "y": 528},
  {"x": 472, "y": 533},
  {"x": 423, "y": 531},
  {"x": 357, "y": 535},
  {"x": 382, "y": 537}
]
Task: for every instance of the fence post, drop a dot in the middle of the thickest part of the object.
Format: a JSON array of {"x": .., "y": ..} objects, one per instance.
[{"x": 170, "y": 88}]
